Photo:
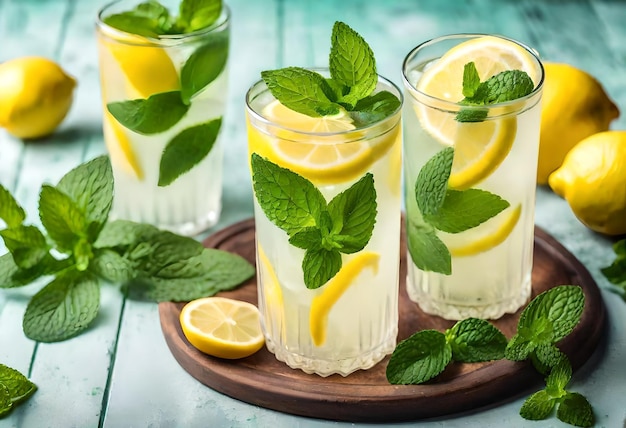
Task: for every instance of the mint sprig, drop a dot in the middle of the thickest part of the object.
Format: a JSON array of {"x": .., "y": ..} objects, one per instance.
[
  {"x": 353, "y": 79},
  {"x": 616, "y": 271},
  {"x": 324, "y": 230},
  {"x": 79, "y": 248},
  {"x": 444, "y": 209},
  {"x": 505, "y": 86},
  {"x": 15, "y": 388}
]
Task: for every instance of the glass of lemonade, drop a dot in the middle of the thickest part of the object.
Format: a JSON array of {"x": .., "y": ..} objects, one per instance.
[
  {"x": 164, "y": 85},
  {"x": 471, "y": 138},
  {"x": 325, "y": 150}
]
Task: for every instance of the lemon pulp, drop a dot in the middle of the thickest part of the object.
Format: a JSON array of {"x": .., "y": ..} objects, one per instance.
[
  {"x": 222, "y": 327},
  {"x": 334, "y": 289}
]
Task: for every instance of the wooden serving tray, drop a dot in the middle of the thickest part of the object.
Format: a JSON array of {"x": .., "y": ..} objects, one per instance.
[{"x": 366, "y": 395}]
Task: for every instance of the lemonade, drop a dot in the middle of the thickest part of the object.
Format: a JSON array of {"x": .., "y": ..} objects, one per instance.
[
  {"x": 471, "y": 248},
  {"x": 164, "y": 97},
  {"x": 325, "y": 157}
]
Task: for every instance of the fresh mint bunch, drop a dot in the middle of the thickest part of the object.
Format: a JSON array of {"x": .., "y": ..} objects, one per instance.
[
  {"x": 505, "y": 86},
  {"x": 79, "y": 248},
  {"x": 353, "y": 79},
  {"x": 15, "y": 388},
  {"x": 616, "y": 271},
  {"x": 427, "y": 353},
  {"x": 324, "y": 230},
  {"x": 444, "y": 209}
]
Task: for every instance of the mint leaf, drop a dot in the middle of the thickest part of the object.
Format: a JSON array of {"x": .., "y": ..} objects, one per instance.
[
  {"x": 374, "y": 108},
  {"x": 576, "y": 410},
  {"x": 63, "y": 220},
  {"x": 472, "y": 115},
  {"x": 427, "y": 251},
  {"x": 152, "y": 115},
  {"x": 111, "y": 266},
  {"x": 156, "y": 250},
  {"x": 204, "y": 65},
  {"x": 519, "y": 348},
  {"x": 432, "y": 182},
  {"x": 301, "y": 90},
  {"x": 6, "y": 405},
  {"x": 309, "y": 238},
  {"x": 463, "y": 210},
  {"x": 560, "y": 307},
  {"x": 197, "y": 14},
  {"x": 616, "y": 271},
  {"x": 204, "y": 274},
  {"x": 186, "y": 150},
  {"x": 12, "y": 276},
  {"x": 545, "y": 356},
  {"x": 353, "y": 213},
  {"x": 17, "y": 385},
  {"x": 288, "y": 200},
  {"x": 471, "y": 80},
  {"x": 419, "y": 358},
  {"x": 474, "y": 340},
  {"x": 27, "y": 245},
  {"x": 538, "y": 406},
  {"x": 63, "y": 308},
  {"x": 319, "y": 266},
  {"x": 559, "y": 377},
  {"x": 10, "y": 211},
  {"x": 123, "y": 233},
  {"x": 352, "y": 64},
  {"x": 148, "y": 19}
]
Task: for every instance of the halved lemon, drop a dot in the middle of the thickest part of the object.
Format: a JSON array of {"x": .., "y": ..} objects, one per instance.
[
  {"x": 334, "y": 289},
  {"x": 329, "y": 161},
  {"x": 119, "y": 146},
  {"x": 222, "y": 327},
  {"x": 488, "y": 235},
  {"x": 480, "y": 147}
]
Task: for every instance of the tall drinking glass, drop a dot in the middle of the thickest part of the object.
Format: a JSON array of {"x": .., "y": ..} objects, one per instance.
[
  {"x": 164, "y": 97},
  {"x": 470, "y": 238},
  {"x": 337, "y": 178}
]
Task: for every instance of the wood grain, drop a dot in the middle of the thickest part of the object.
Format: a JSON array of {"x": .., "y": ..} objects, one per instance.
[{"x": 366, "y": 395}]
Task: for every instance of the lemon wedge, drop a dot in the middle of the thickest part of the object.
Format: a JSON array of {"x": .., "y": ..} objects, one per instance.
[
  {"x": 492, "y": 233},
  {"x": 119, "y": 146},
  {"x": 334, "y": 289},
  {"x": 222, "y": 327},
  {"x": 149, "y": 70},
  {"x": 329, "y": 162},
  {"x": 480, "y": 147}
]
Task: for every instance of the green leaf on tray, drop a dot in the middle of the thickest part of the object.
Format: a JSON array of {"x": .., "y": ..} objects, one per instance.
[{"x": 475, "y": 340}]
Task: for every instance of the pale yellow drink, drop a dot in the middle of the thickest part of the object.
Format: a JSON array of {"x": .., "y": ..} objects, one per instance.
[
  {"x": 491, "y": 263},
  {"x": 134, "y": 67},
  {"x": 350, "y": 322}
]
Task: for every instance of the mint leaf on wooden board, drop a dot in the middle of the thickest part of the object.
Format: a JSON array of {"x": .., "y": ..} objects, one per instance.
[
  {"x": 27, "y": 245},
  {"x": 352, "y": 64},
  {"x": 10, "y": 211},
  {"x": 475, "y": 340},
  {"x": 353, "y": 213},
  {"x": 288, "y": 200},
  {"x": 419, "y": 358},
  {"x": 427, "y": 251},
  {"x": 432, "y": 182},
  {"x": 318, "y": 266},
  {"x": 64, "y": 221},
  {"x": 63, "y": 308},
  {"x": 197, "y": 14},
  {"x": 465, "y": 209},
  {"x": 152, "y": 115},
  {"x": 186, "y": 150},
  {"x": 203, "y": 66},
  {"x": 301, "y": 90}
]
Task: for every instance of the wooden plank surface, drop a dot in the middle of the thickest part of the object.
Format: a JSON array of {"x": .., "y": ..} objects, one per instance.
[{"x": 120, "y": 373}]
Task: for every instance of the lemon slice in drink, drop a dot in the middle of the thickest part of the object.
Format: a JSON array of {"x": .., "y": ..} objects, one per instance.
[
  {"x": 334, "y": 289},
  {"x": 479, "y": 147},
  {"x": 222, "y": 327},
  {"x": 119, "y": 146},
  {"x": 327, "y": 162},
  {"x": 487, "y": 236}
]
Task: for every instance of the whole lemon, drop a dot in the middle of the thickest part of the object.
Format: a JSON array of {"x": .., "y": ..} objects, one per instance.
[
  {"x": 574, "y": 106},
  {"x": 35, "y": 96},
  {"x": 592, "y": 179}
]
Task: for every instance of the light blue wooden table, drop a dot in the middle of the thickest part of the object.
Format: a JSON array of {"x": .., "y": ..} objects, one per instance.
[{"x": 120, "y": 373}]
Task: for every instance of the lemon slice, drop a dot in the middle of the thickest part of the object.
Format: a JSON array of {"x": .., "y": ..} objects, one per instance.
[
  {"x": 222, "y": 327},
  {"x": 334, "y": 289},
  {"x": 149, "y": 70},
  {"x": 327, "y": 162},
  {"x": 492, "y": 233},
  {"x": 480, "y": 147},
  {"x": 119, "y": 147}
]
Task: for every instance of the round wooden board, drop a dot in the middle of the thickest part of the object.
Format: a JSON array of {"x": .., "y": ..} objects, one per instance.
[{"x": 366, "y": 395}]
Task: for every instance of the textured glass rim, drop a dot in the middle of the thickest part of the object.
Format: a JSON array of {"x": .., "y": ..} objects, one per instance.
[{"x": 447, "y": 105}]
